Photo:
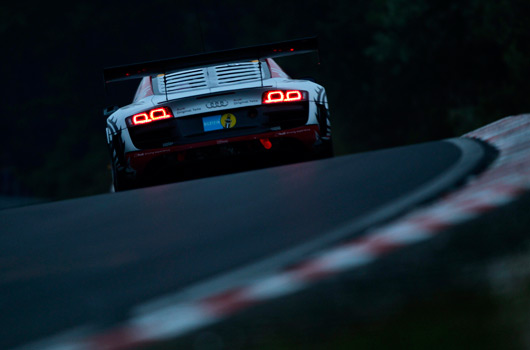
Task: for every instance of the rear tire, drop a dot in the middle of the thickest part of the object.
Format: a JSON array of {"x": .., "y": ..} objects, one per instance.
[
  {"x": 327, "y": 148},
  {"x": 120, "y": 182}
]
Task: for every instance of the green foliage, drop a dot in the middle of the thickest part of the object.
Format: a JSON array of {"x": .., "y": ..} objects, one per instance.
[{"x": 396, "y": 71}]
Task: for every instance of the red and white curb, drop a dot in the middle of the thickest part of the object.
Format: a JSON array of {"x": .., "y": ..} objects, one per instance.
[{"x": 506, "y": 179}]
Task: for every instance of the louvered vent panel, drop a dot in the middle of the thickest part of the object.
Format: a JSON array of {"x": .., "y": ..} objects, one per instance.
[
  {"x": 183, "y": 80},
  {"x": 237, "y": 73}
]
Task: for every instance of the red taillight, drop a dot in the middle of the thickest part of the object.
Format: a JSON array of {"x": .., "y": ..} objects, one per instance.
[
  {"x": 293, "y": 96},
  {"x": 151, "y": 116},
  {"x": 273, "y": 96},
  {"x": 141, "y": 118},
  {"x": 159, "y": 113},
  {"x": 282, "y": 96}
]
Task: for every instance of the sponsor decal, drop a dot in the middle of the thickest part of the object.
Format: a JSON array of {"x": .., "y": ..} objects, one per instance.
[
  {"x": 143, "y": 154},
  {"x": 183, "y": 110},
  {"x": 228, "y": 120},
  {"x": 187, "y": 110},
  {"x": 240, "y": 101},
  {"x": 212, "y": 123},
  {"x": 217, "y": 122}
]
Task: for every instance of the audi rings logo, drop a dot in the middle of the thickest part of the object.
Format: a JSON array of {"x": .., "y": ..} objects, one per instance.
[{"x": 217, "y": 104}]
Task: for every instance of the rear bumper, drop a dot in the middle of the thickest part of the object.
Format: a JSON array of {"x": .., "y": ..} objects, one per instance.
[
  {"x": 303, "y": 138},
  {"x": 191, "y": 129}
]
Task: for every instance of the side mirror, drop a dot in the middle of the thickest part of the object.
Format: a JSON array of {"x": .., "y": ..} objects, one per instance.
[{"x": 109, "y": 110}]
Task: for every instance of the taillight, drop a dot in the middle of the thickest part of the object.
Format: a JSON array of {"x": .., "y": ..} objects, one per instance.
[
  {"x": 150, "y": 116},
  {"x": 277, "y": 96},
  {"x": 142, "y": 118},
  {"x": 273, "y": 97},
  {"x": 293, "y": 96}
]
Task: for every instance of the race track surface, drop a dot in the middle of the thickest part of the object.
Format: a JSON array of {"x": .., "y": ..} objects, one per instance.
[{"x": 90, "y": 260}]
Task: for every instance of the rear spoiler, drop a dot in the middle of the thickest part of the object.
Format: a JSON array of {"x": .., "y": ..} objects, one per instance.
[{"x": 139, "y": 70}]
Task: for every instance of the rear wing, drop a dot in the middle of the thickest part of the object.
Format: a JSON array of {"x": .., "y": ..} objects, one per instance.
[{"x": 280, "y": 49}]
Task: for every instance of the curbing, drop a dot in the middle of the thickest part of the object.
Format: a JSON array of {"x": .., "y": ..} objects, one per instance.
[{"x": 505, "y": 180}]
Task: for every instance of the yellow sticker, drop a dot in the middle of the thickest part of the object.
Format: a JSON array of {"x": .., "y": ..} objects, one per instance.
[{"x": 228, "y": 120}]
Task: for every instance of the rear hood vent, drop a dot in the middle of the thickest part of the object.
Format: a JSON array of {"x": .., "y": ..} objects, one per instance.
[
  {"x": 237, "y": 73},
  {"x": 212, "y": 77}
]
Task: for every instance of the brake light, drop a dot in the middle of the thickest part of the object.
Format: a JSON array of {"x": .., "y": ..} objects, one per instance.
[
  {"x": 282, "y": 96},
  {"x": 159, "y": 113},
  {"x": 151, "y": 116},
  {"x": 141, "y": 118},
  {"x": 273, "y": 97},
  {"x": 293, "y": 96}
]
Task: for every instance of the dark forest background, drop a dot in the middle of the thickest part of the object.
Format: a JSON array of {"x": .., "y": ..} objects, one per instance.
[{"x": 396, "y": 71}]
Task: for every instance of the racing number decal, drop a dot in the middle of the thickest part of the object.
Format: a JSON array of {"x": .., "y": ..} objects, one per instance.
[{"x": 228, "y": 120}]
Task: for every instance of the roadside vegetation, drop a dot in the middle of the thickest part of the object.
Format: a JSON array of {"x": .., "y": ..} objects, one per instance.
[{"x": 397, "y": 71}]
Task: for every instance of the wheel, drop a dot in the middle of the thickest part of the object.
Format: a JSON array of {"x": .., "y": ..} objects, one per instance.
[{"x": 120, "y": 181}]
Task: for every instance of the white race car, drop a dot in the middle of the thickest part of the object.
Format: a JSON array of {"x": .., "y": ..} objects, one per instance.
[{"x": 213, "y": 108}]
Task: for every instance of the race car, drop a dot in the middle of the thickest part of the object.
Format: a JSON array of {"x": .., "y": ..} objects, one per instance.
[{"x": 213, "y": 108}]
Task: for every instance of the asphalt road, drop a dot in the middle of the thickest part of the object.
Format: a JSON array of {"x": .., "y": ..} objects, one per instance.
[{"x": 89, "y": 260}]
